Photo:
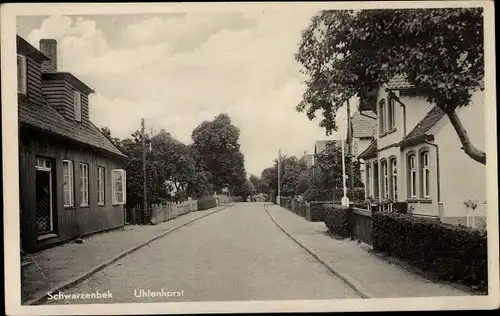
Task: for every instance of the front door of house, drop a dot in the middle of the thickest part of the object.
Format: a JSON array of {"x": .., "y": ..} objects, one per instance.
[{"x": 44, "y": 201}]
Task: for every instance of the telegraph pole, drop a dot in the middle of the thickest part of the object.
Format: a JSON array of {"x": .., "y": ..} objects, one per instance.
[
  {"x": 279, "y": 177},
  {"x": 145, "y": 193}
]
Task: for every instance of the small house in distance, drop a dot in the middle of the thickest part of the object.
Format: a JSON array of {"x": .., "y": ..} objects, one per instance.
[{"x": 71, "y": 177}]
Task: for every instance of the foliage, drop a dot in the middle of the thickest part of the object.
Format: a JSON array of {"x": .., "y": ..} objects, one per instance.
[
  {"x": 318, "y": 195},
  {"x": 206, "y": 202},
  {"x": 218, "y": 150},
  {"x": 349, "y": 53},
  {"x": 255, "y": 183},
  {"x": 316, "y": 211},
  {"x": 328, "y": 171},
  {"x": 336, "y": 219},
  {"x": 454, "y": 253}
]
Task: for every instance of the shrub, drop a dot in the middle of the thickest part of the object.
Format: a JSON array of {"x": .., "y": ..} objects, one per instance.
[
  {"x": 315, "y": 212},
  {"x": 336, "y": 218},
  {"x": 318, "y": 195},
  {"x": 206, "y": 202},
  {"x": 454, "y": 253}
]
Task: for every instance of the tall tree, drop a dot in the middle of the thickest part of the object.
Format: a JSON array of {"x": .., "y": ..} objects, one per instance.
[
  {"x": 255, "y": 182},
  {"x": 347, "y": 53},
  {"x": 216, "y": 143}
]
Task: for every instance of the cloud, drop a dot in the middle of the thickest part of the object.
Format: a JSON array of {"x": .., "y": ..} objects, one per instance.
[
  {"x": 184, "y": 32},
  {"x": 178, "y": 71}
]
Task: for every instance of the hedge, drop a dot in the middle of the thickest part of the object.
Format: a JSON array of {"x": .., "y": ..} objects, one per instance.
[
  {"x": 336, "y": 218},
  {"x": 206, "y": 202},
  {"x": 454, "y": 253},
  {"x": 329, "y": 194},
  {"x": 315, "y": 212}
]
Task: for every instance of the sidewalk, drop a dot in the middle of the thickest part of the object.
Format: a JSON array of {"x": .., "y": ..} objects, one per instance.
[
  {"x": 60, "y": 267},
  {"x": 372, "y": 276}
]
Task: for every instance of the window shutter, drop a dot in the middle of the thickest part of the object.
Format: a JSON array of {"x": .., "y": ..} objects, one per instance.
[
  {"x": 124, "y": 186},
  {"x": 77, "y": 106},
  {"x": 113, "y": 187}
]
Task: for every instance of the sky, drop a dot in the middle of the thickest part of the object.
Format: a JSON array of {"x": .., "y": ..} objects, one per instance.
[{"x": 177, "y": 70}]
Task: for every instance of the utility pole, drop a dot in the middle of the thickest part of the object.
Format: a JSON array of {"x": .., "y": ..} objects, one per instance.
[
  {"x": 279, "y": 177},
  {"x": 145, "y": 193},
  {"x": 349, "y": 142}
]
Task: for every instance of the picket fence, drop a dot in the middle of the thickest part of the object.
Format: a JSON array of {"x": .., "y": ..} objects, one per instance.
[{"x": 165, "y": 212}]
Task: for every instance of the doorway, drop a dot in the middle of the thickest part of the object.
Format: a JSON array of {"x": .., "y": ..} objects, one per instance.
[{"x": 44, "y": 197}]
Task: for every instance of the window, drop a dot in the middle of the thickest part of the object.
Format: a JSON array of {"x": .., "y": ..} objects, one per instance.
[
  {"x": 118, "y": 186},
  {"x": 424, "y": 174},
  {"x": 412, "y": 177},
  {"x": 77, "y": 103},
  {"x": 385, "y": 179},
  {"x": 391, "y": 114},
  {"x": 100, "y": 186},
  {"x": 368, "y": 180},
  {"x": 68, "y": 186},
  {"x": 381, "y": 116},
  {"x": 394, "y": 179},
  {"x": 21, "y": 74},
  {"x": 84, "y": 184},
  {"x": 375, "y": 180}
]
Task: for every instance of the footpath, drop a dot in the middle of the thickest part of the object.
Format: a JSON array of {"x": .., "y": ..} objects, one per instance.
[
  {"x": 370, "y": 275},
  {"x": 63, "y": 266}
]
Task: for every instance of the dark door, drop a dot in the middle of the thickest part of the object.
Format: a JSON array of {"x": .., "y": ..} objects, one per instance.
[{"x": 44, "y": 211}]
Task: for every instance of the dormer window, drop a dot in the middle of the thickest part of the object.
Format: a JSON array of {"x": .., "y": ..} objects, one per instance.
[
  {"x": 21, "y": 74},
  {"x": 77, "y": 103},
  {"x": 391, "y": 114}
]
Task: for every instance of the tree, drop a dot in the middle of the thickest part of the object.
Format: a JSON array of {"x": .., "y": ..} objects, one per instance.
[
  {"x": 114, "y": 140},
  {"x": 328, "y": 169},
  {"x": 218, "y": 150},
  {"x": 348, "y": 53},
  {"x": 255, "y": 182}
]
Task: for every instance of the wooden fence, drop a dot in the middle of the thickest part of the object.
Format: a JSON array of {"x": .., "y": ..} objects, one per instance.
[
  {"x": 165, "y": 212},
  {"x": 360, "y": 225}
]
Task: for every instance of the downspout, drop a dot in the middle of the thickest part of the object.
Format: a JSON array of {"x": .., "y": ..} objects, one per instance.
[
  {"x": 395, "y": 98},
  {"x": 438, "y": 180}
]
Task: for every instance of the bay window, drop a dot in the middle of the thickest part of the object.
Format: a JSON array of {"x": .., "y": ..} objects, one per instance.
[
  {"x": 425, "y": 175},
  {"x": 412, "y": 176}
]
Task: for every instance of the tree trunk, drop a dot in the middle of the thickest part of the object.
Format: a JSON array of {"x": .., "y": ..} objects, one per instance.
[{"x": 467, "y": 146}]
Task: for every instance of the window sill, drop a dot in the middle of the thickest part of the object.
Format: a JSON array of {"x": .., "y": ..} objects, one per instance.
[
  {"x": 66, "y": 207},
  {"x": 47, "y": 236},
  {"x": 101, "y": 205},
  {"x": 84, "y": 206},
  {"x": 419, "y": 201},
  {"x": 392, "y": 130}
]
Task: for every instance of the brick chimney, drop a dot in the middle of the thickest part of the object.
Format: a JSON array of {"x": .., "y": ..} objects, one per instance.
[{"x": 49, "y": 48}]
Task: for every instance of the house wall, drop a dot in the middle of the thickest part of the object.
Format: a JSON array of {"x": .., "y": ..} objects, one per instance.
[
  {"x": 416, "y": 108},
  {"x": 462, "y": 178},
  {"x": 69, "y": 221},
  {"x": 420, "y": 205},
  {"x": 360, "y": 145}
]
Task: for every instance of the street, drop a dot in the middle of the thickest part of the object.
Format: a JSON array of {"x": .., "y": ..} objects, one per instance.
[{"x": 236, "y": 254}]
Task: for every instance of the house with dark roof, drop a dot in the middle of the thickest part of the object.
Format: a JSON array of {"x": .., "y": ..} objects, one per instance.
[
  {"x": 71, "y": 177},
  {"x": 416, "y": 156}
]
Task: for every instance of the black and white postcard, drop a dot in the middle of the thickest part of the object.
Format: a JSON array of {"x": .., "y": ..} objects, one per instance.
[{"x": 181, "y": 158}]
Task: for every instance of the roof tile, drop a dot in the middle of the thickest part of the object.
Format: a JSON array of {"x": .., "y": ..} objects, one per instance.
[{"x": 46, "y": 117}]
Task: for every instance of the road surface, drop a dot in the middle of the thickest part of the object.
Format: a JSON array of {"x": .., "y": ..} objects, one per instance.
[{"x": 233, "y": 255}]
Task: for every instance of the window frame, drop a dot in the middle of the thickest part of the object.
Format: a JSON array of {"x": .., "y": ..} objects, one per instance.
[
  {"x": 115, "y": 173},
  {"x": 84, "y": 185},
  {"x": 22, "y": 81},
  {"x": 411, "y": 161},
  {"x": 77, "y": 105},
  {"x": 382, "y": 118},
  {"x": 384, "y": 166},
  {"x": 71, "y": 177},
  {"x": 376, "y": 189},
  {"x": 101, "y": 186},
  {"x": 425, "y": 174},
  {"x": 394, "y": 178},
  {"x": 391, "y": 113}
]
